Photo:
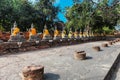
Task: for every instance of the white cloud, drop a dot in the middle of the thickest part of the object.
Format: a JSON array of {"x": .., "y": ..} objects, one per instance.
[{"x": 57, "y": 1}]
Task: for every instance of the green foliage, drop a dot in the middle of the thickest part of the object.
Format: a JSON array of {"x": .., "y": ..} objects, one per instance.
[
  {"x": 24, "y": 13},
  {"x": 94, "y": 15},
  {"x": 1, "y": 27},
  {"x": 79, "y": 15},
  {"x": 107, "y": 30}
]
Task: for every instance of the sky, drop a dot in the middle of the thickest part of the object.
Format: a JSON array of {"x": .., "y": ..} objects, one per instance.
[
  {"x": 63, "y": 4},
  {"x": 66, "y": 3}
]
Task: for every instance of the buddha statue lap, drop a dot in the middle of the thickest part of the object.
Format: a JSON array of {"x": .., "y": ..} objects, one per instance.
[{"x": 46, "y": 34}]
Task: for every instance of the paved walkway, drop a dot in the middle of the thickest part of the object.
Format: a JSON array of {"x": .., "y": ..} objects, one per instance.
[{"x": 59, "y": 62}]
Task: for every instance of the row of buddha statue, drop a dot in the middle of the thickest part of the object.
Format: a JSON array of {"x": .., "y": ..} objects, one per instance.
[{"x": 33, "y": 36}]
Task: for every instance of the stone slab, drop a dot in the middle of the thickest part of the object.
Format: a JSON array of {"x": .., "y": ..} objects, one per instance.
[{"x": 60, "y": 64}]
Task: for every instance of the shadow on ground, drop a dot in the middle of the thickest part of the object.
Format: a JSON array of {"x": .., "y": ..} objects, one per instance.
[
  {"x": 89, "y": 57},
  {"x": 51, "y": 76}
]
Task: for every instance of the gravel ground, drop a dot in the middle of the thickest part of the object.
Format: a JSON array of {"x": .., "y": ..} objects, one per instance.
[{"x": 59, "y": 62}]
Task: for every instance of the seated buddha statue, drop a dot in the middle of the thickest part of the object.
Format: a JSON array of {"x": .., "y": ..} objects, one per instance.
[
  {"x": 71, "y": 35},
  {"x": 32, "y": 31},
  {"x": 57, "y": 34},
  {"x": 15, "y": 30},
  {"x": 46, "y": 34},
  {"x": 80, "y": 34},
  {"x": 76, "y": 35},
  {"x": 92, "y": 34},
  {"x": 15, "y": 34},
  {"x": 33, "y": 36},
  {"x": 85, "y": 33},
  {"x": 95, "y": 34},
  {"x": 64, "y": 35}
]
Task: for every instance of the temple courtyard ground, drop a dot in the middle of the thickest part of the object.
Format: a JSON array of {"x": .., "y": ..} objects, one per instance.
[{"x": 59, "y": 63}]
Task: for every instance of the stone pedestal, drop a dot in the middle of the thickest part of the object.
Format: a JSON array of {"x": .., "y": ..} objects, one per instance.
[
  {"x": 33, "y": 72},
  {"x": 56, "y": 43},
  {"x": 34, "y": 38},
  {"x": 110, "y": 43},
  {"x": 97, "y": 48},
  {"x": 64, "y": 37},
  {"x": 80, "y": 55},
  {"x": 44, "y": 44},
  {"x": 17, "y": 38},
  {"x": 46, "y": 38},
  {"x": 113, "y": 41},
  {"x": 77, "y": 37},
  {"x": 57, "y": 37},
  {"x": 72, "y": 37}
]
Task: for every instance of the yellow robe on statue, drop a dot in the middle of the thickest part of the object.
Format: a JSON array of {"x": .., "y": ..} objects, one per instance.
[
  {"x": 63, "y": 34},
  {"x": 15, "y": 31},
  {"x": 46, "y": 32},
  {"x": 70, "y": 34},
  {"x": 56, "y": 33},
  {"x": 33, "y": 32}
]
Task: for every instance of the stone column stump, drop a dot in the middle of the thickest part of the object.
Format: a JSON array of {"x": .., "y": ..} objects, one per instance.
[
  {"x": 105, "y": 45},
  {"x": 110, "y": 43},
  {"x": 97, "y": 48},
  {"x": 113, "y": 42},
  {"x": 80, "y": 55},
  {"x": 34, "y": 72}
]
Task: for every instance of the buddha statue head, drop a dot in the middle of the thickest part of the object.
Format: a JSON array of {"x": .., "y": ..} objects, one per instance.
[
  {"x": 45, "y": 27},
  {"x": 55, "y": 27},
  {"x": 32, "y": 25},
  {"x": 15, "y": 24}
]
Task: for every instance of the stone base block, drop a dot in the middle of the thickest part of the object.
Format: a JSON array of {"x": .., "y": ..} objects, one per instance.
[
  {"x": 80, "y": 55},
  {"x": 105, "y": 45},
  {"x": 18, "y": 38},
  {"x": 97, "y": 48},
  {"x": 34, "y": 38},
  {"x": 35, "y": 72}
]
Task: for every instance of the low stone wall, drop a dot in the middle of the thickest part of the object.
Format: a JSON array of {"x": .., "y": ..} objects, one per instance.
[
  {"x": 112, "y": 69},
  {"x": 15, "y": 47}
]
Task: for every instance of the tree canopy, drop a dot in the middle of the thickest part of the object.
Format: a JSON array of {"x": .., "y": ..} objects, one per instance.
[
  {"x": 25, "y": 13},
  {"x": 100, "y": 16}
]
